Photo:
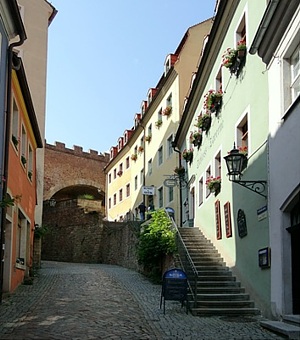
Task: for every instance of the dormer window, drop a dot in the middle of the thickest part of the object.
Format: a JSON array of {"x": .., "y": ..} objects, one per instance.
[
  {"x": 113, "y": 152},
  {"x": 170, "y": 61},
  {"x": 151, "y": 94},
  {"x": 144, "y": 107},
  {"x": 137, "y": 119},
  {"x": 120, "y": 143}
]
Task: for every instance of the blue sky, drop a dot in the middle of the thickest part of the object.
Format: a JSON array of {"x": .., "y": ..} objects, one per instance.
[{"x": 103, "y": 56}]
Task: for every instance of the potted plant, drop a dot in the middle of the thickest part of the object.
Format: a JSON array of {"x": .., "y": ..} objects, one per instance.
[
  {"x": 213, "y": 101},
  {"x": 188, "y": 155},
  {"x": 15, "y": 141},
  {"x": 180, "y": 171},
  {"x": 241, "y": 48},
  {"x": 140, "y": 149},
  {"x": 23, "y": 160},
  {"x": 229, "y": 58},
  {"x": 234, "y": 59},
  {"x": 196, "y": 138},
  {"x": 214, "y": 184},
  {"x": 134, "y": 156},
  {"x": 120, "y": 173},
  {"x": 167, "y": 111},
  {"x": 204, "y": 121},
  {"x": 148, "y": 138},
  {"x": 158, "y": 123}
]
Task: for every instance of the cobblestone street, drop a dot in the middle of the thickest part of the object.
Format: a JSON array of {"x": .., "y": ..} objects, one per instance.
[{"x": 95, "y": 301}]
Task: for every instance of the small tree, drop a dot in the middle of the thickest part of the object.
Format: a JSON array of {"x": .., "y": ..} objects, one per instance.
[{"x": 156, "y": 240}]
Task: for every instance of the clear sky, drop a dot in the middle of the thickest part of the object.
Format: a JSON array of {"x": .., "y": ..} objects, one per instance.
[{"x": 103, "y": 56}]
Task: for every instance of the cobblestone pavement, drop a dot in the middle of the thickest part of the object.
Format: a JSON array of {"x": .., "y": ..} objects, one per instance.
[{"x": 96, "y": 301}]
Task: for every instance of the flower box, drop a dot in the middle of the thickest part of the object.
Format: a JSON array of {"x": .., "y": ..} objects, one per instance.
[
  {"x": 167, "y": 111},
  {"x": 141, "y": 149},
  {"x": 204, "y": 122},
  {"x": 180, "y": 171},
  {"x": 196, "y": 138},
  {"x": 188, "y": 155},
  {"x": 214, "y": 184},
  {"x": 148, "y": 138},
  {"x": 134, "y": 156},
  {"x": 213, "y": 101},
  {"x": 158, "y": 123},
  {"x": 120, "y": 173},
  {"x": 234, "y": 59}
]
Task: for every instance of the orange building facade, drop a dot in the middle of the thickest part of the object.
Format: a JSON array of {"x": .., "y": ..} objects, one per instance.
[{"x": 21, "y": 182}]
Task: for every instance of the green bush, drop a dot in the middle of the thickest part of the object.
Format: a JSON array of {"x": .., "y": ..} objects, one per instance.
[{"x": 156, "y": 240}]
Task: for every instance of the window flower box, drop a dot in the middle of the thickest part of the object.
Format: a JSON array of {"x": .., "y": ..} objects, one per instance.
[
  {"x": 180, "y": 171},
  {"x": 214, "y": 184},
  {"x": 204, "y": 122},
  {"x": 134, "y": 156},
  {"x": 120, "y": 173},
  {"x": 234, "y": 59},
  {"x": 148, "y": 138},
  {"x": 167, "y": 111},
  {"x": 188, "y": 155},
  {"x": 196, "y": 138},
  {"x": 213, "y": 101},
  {"x": 158, "y": 123},
  {"x": 141, "y": 149}
]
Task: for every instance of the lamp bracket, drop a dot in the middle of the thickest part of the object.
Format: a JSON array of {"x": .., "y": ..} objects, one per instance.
[{"x": 256, "y": 186}]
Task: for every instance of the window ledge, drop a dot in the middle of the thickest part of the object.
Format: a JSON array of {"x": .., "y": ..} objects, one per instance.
[{"x": 20, "y": 266}]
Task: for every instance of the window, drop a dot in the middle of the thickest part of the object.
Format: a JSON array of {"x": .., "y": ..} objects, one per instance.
[
  {"x": 30, "y": 162},
  {"x": 295, "y": 73},
  {"x": 241, "y": 30},
  {"x": 218, "y": 165},
  {"x": 121, "y": 167},
  {"x": 160, "y": 155},
  {"x": 207, "y": 175},
  {"x": 150, "y": 167},
  {"x": 142, "y": 177},
  {"x": 115, "y": 199},
  {"x": 219, "y": 81},
  {"x": 135, "y": 182},
  {"x": 109, "y": 203},
  {"x": 169, "y": 100},
  {"x": 127, "y": 162},
  {"x": 115, "y": 173},
  {"x": 200, "y": 195},
  {"x": 128, "y": 190},
  {"x": 135, "y": 150},
  {"x": 170, "y": 146},
  {"x": 160, "y": 197},
  {"x": 150, "y": 130},
  {"x": 120, "y": 195},
  {"x": 242, "y": 133},
  {"x": 171, "y": 194},
  {"x": 109, "y": 178},
  {"x": 15, "y": 125},
  {"x": 23, "y": 226},
  {"x": 23, "y": 146},
  {"x": 167, "y": 65}
]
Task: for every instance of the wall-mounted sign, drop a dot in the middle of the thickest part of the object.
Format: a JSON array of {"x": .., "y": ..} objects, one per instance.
[
  {"x": 262, "y": 213},
  {"x": 227, "y": 215},
  {"x": 218, "y": 220},
  {"x": 264, "y": 257},
  {"x": 241, "y": 223},
  {"x": 150, "y": 191},
  {"x": 170, "y": 182}
]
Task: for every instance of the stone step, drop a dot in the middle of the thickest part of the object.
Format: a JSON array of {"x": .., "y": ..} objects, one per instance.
[
  {"x": 284, "y": 328},
  {"x": 292, "y": 319},
  {"x": 225, "y": 304},
  {"x": 224, "y": 311},
  {"x": 221, "y": 290},
  {"x": 217, "y": 272},
  {"x": 213, "y": 278},
  {"x": 223, "y": 297},
  {"x": 218, "y": 284}
]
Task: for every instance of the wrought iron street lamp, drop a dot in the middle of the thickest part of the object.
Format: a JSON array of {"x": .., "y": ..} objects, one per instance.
[{"x": 236, "y": 162}]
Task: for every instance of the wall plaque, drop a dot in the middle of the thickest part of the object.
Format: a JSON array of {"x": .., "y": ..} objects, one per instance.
[
  {"x": 241, "y": 223},
  {"x": 218, "y": 220},
  {"x": 227, "y": 215}
]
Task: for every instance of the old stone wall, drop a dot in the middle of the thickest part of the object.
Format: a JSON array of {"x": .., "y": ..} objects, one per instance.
[{"x": 75, "y": 236}]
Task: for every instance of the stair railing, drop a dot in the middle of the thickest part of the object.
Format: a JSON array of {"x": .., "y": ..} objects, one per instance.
[{"x": 187, "y": 263}]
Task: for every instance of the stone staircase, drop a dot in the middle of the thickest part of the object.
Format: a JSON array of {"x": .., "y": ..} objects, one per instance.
[{"x": 218, "y": 291}]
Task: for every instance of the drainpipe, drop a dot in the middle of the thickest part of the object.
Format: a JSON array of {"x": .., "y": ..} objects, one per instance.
[
  {"x": 22, "y": 37},
  {"x": 180, "y": 191}
]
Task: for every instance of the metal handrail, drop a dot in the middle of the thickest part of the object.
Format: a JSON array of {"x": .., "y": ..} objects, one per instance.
[{"x": 188, "y": 264}]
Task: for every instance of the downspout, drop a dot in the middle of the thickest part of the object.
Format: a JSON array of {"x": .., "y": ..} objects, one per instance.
[
  {"x": 180, "y": 191},
  {"x": 22, "y": 37}
]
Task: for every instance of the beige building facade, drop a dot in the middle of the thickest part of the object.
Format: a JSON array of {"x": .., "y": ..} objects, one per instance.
[{"x": 144, "y": 157}]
